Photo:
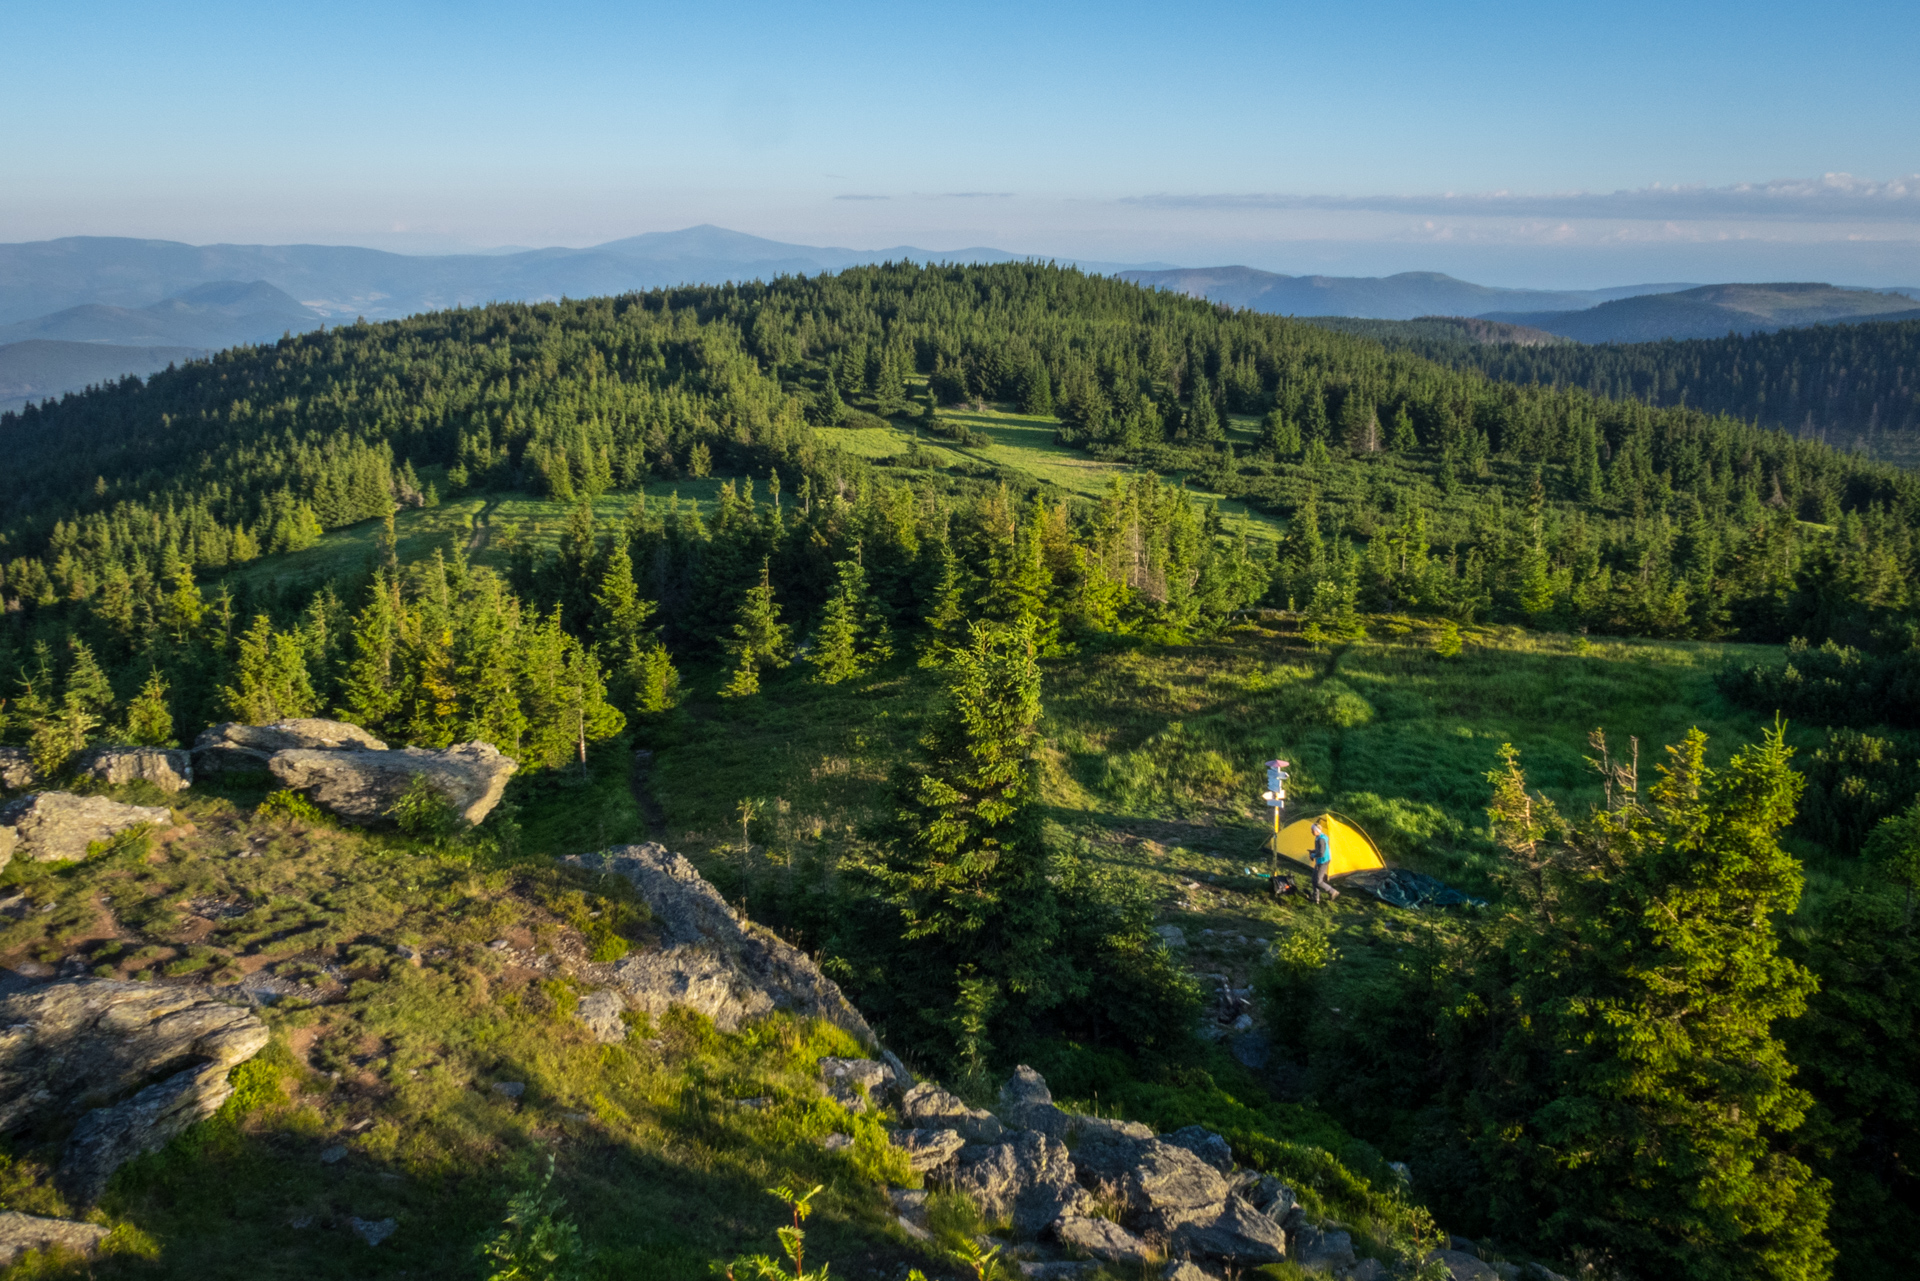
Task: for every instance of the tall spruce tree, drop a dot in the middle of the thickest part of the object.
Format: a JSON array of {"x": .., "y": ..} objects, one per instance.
[
  {"x": 149, "y": 720},
  {"x": 270, "y": 678},
  {"x": 1652, "y": 1123},
  {"x": 853, "y": 635},
  {"x": 963, "y": 861},
  {"x": 760, "y": 639}
]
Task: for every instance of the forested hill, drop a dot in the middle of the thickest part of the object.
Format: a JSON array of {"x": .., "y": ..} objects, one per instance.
[
  {"x": 1854, "y": 386},
  {"x": 1428, "y": 488}
]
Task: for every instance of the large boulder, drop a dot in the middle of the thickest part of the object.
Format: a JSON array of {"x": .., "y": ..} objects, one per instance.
[
  {"x": 928, "y": 1150},
  {"x": 233, "y": 746},
  {"x": 1027, "y": 1181},
  {"x": 20, "y": 1233},
  {"x": 135, "y": 1063},
  {"x": 53, "y": 827},
  {"x": 928, "y": 1106},
  {"x": 1027, "y": 1104},
  {"x": 16, "y": 770},
  {"x": 168, "y": 769},
  {"x": 1205, "y": 1144},
  {"x": 1238, "y": 1234},
  {"x": 1462, "y": 1266},
  {"x": 855, "y": 1083},
  {"x": 711, "y": 959},
  {"x": 362, "y": 786},
  {"x": 1101, "y": 1239},
  {"x": 1317, "y": 1250},
  {"x": 1161, "y": 1185}
]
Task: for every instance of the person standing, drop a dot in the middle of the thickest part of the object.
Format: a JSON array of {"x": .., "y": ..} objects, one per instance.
[{"x": 1322, "y": 860}]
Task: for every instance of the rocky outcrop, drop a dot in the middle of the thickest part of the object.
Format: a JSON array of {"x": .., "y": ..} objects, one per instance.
[
  {"x": 1320, "y": 1251},
  {"x": 16, "y": 770},
  {"x": 929, "y": 1107},
  {"x": 855, "y": 1083},
  {"x": 1027, "y": 1181},
  {"x": 20, "y": 1233},
  {"x": 601, "y": 1013},
  {"x": 133, "y": 1062},
  {"x": 1238, "y": 1233},
  {"x": 928, "y": 1149},
  {"x": 233, "y": 746},
  {"x": 1027, "y": 1104},
  {"x": 1101, "y": 1239},
  {"x": 168, "y": 769},
  {"x": 1205, "y": 1144},
  {"x": 363, "y": 786},
  {"x": 710, "y": 959},
  {"x": 52, "y": 827},
  {"x": 1160, "y": 1184}
]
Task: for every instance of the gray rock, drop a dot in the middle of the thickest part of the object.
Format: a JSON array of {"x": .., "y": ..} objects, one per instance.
[
  {"x": 510, "y": 1089},
  {"x": 107, "y": 1138},
  {"x": 1101, "y": 1239},
  {"x": 852, "y": 1082},
  {"x": 1540, "y": 1272},
  {"x": 1205, "y": 1144},
  {"x": 1171, "y": 935},
  {"x": 1369, "y": 1270},
  {"x": 1462, "y": 1266},
  {"x": 168, "y": 769},
  {"x": 1151, "y": 1177},
  {"x": 16, "y": 774},
  {"x": 910, "y": 1204},
  {"x": 1027, "y": 1104},
  {"x": 374, "y": 1231},
  {"x": 1266, "y": 1194},
  {"x": 711, "y": 959},
  {"x": 927, "y": 1106},
  {"x": 1251, "y": 1049},
  {"x": 1056, "y": 1269},
  {"x": 1027, "y": 1181},
  {"x": 233, "y": 746},
  {"x": 837, "y": 1142},
  {"x": 70, "y": 1046},
  {"x": 600, "y": 1011},
  {"x": 52, "y": 827},
  {"x": 928, "y": 1149},
  {"x": 362, "y": 786},
  {"x": 1319, "y": 1251},
  {"x": 20, "y": 1233},
  {"x": 1183, "y": 1270},
  {"x": 1239, "y": 1234},
  {"x": 334, "y": 1155}
]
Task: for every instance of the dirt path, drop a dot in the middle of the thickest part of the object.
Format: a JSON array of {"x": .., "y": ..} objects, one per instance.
[{"x": 482, "y": 528}]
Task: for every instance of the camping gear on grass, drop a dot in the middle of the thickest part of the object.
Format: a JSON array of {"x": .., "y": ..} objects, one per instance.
[
  {"x": 1399, "y": 887},
  {"x": 1353, "y": 849}
]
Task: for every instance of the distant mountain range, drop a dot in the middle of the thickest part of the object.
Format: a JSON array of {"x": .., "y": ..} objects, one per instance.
[
  {"x": 130, "y": 301},
  {"x": 1714, "y": 311},
  {"x": 1405, "y": 296}
]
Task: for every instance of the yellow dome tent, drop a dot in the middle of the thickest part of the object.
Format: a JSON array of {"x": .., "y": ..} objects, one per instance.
[{"x": 1353, "y": 849}]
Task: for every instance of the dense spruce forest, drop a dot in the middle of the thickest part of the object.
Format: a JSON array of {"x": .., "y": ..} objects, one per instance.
[
  {"x": 1851, "y": 386},
  {"x": 1722, "y": 1091}
]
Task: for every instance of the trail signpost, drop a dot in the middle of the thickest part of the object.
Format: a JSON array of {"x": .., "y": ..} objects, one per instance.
[{"x": 1275, "y": 798}]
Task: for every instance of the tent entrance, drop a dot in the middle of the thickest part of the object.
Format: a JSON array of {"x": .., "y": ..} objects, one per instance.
[{"x": 1353, "y": 849}]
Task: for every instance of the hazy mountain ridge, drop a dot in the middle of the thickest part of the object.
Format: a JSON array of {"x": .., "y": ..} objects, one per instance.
[
  {"x": 40, "y": 368},
  {"x": 1408, "y": 295},
  {"x": 1713, "y": 311}
]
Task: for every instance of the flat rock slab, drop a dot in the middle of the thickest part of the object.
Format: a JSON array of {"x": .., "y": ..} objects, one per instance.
[
  {"x": 1205, "y": 1144},
  {"x": 1462, "y": 1266},
  {"x": 711, "y": 959},
  {"x": 363, "y": 786},
  {"x": 73, "y": 1045},
  {"x": 56, "y": 827},
  {"x": 233, "y": 746},
  {"x": 20, "y": 1233},
  {"x": 1319, "y": 1251},
  {"x": 168, "y": 769},
  {"x": 1152, "y": 1177}
]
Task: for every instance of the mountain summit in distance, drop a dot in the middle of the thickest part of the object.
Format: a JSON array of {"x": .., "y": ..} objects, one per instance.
[{"x": 1403, "y": 296}]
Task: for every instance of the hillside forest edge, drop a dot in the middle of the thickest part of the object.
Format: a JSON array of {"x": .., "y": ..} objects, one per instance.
[{"x": 1409, "y": 506}]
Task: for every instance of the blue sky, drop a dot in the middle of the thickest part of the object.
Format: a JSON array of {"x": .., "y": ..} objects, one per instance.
[{"x": 1517, "y": 144}]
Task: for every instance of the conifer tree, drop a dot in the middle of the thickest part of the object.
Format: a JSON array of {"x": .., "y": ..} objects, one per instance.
[
  {"x": 963, "y": 860},
  {"x": 149, "y": 720},
  {"x": 374, "y": 685},
  {"x": 655, "y": 681},
  {"x": 760, "y": 639},
  {"x": 1654, "y": 1122},
  {"x": 1280, "y": 433},
  {"x": 1403, "y": 440},
  {"x": 947, "y": 621},
  {"x": 270, "y": 682},
  {"x": 1036, "y": 389},
  {"x": 853, "y": 636},
  {"x": 830, "y": 409},
  {"x": 185, "y": 608}
]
